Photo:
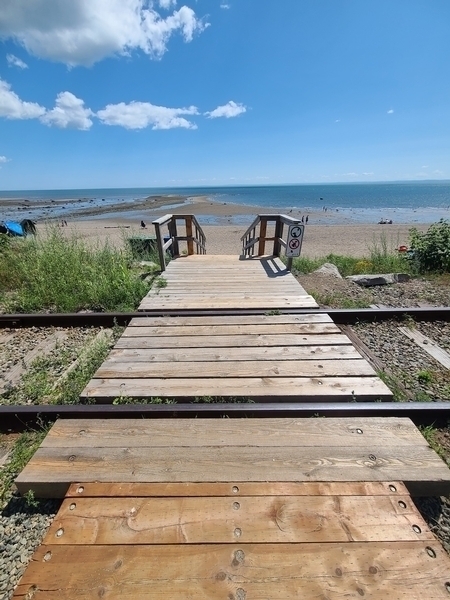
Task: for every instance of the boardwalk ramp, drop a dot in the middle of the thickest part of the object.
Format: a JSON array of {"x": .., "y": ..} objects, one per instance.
[{"x": 233, "y": 283}]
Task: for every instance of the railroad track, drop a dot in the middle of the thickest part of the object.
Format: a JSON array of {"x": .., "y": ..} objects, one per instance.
[{"x": 54, "y": 329}]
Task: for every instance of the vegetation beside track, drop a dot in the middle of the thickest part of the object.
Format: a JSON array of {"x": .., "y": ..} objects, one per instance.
[{"x": 56, "y": 273}]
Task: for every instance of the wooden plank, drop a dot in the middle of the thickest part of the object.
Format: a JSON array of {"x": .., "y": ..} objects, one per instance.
[
  {"x": 254, "y": 519},
  {"x": 6, "y": 337},
  {"x": 238, "y": 341},
  {"x": 428, "y": 345},
  {"x": 52, "y": 470},
  {"x": 289, "y": 488},
  {"x": 174, "y": 370},
  {"x": 302, "y": 353},
  {"x": 270, "y": 304},
  {"x": 230, "y": 320},
  {"x": 153, "y": 303},
  {"x": 379, "y": 570},
  {"x": 13, "y": 376},
  {"x": 390, "y": 432},
  {"x": 210, "y": 330},
  {"x": 306, "y": 388}
]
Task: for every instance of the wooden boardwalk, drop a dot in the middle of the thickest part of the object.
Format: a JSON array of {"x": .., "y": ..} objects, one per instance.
[
  {"x": 236, "y": 509},
  {"x": 259, "y": 357},
  {"x": 200, "y": 282},
  {"x": 234, "y": 450},
  {"x": 262, "y": 357}
]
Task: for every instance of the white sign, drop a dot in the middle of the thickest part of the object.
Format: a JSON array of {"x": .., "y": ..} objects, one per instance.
[{"x": 294, "y": 240}]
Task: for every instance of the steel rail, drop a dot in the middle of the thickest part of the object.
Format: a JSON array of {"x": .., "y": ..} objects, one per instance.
[
  {"x": 340, "y": 316},
  {"x": 18, "y": 418}
]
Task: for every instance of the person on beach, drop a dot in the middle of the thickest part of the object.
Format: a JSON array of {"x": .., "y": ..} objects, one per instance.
[{"x": 143, "y": 225}]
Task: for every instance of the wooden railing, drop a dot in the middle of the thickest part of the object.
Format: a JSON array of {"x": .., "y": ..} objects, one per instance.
[
  {"x": 193, "y": 236},
  {"x": 252, "y": 237}
]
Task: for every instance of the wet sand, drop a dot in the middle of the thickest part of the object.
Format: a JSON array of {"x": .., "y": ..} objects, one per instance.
[{"x": 232, "y": 221}]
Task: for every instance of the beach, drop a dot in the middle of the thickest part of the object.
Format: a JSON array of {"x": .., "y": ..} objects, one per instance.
[{"x": 225, "y": 223}]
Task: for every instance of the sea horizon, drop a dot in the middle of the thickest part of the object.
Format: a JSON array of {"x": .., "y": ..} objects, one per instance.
[{"x": 367, "y": 202}]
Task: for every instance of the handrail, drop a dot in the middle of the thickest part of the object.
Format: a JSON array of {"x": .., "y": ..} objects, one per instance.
[
  {"x": 190, "y": 224},
  {"x": 250, "y": 237}
]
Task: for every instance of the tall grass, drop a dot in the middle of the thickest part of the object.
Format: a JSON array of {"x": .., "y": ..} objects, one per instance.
[
  {"x": 379, "y": 259},
  {"x": 61, "y": 274}
]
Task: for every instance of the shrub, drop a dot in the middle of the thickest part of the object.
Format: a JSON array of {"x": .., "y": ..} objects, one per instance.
[
  {"x": 66, "y": 275},
  {"x": 431, "y": 250}
]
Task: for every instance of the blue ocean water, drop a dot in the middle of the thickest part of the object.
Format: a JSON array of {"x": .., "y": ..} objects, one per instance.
[{"x": 403, "y": 202}]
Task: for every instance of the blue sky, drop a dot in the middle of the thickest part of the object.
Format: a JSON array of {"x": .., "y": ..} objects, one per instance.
[{"x": 132, "y": 93}]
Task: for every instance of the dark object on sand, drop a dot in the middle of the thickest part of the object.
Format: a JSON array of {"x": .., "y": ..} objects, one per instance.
[
  {"x": 143, "y": 225},
  {"x": 15, "y": 229}
]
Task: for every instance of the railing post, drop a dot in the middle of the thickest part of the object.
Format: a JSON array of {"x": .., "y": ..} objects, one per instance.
[
  {"x": 160, "y": 244},
  {"x": 278, "y": 235},
  {"x": 172, "y": 226},
  {"x": 262, "y": 237},
  {"x": 190, "y": 242}
]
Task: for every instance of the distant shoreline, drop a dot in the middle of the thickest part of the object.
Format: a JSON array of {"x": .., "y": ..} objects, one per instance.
[{"x": 208, "y": 211}]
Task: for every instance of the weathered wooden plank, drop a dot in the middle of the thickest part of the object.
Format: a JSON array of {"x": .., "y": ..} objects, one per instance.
[
  {"x": 13, "y": 376},
  {"x": 210, "y": 330},
  {"x": 288, "y": 488},
  {"x": 326, "y": 433},
  {"x": 174, "y": 370},
  {"x": 153, "y": 302},
  {"x": 379, "y": 570},
  {"x": 286, "y": 318},
  {"x": 300, "y": 353},
  {"x": 349, "y": 388},
  {"x": 223, "y": 341},
  {"x": 254, "y": 519},
  {"x": 428, "y": 345},
  {"x": 52, "y": 470}
]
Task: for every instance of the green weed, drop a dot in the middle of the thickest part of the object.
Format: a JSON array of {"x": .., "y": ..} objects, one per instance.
[
  {"x": 62, "y": 274},
  {"x": 424, "y": 377},
  {"x": 22, "y": 451}
]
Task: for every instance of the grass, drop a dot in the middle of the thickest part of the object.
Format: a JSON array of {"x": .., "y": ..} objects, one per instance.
[
  {"x": 429, "y": 433},
  {"x": 380, "y": 259},
  {"x": 43, "y": 383},
  {"x": 24, "y": 448},
  {"x": 59, "y": 274},
  {"x": 337, "y": 300}
]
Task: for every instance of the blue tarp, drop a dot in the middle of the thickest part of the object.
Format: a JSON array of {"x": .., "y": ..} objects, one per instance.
[{"x": 14, "y": 228}]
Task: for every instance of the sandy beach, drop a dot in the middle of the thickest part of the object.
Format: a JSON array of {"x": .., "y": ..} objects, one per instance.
[{"x": 231, "y": 221}]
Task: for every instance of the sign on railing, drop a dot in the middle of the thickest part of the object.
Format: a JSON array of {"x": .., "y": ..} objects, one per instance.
[{"x": 294, "y": 240}]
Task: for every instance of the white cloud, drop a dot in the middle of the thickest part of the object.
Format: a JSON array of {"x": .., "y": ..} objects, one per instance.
[
  {"x": 167, "y": 3},
  {"x": 424, "y": 167},
  {"x": 138, "y": 115},
  {"x": 390, "y": 111},
  {"x": 83, "y": 32},
  {"x": 69, "y": 113},
  {"x": 231, "y": 109},
  {"x": 12, "y": 107},
  {"x": 226, "y": 6},
  {"x": 3, "y": 159},
  {"x": 14, "y": 61},
  {"x": 370, "y": 173}
]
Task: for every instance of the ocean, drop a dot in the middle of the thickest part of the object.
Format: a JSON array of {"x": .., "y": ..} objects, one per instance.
[{"x": 403, "y": 202}]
